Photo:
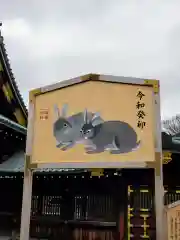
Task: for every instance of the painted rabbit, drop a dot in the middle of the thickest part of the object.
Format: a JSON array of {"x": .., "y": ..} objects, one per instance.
[
  {"x": 114, "y": 136},
  {"x": 67, "y": 130}
]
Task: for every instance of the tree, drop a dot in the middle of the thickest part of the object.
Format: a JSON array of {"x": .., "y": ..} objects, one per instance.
[{"x": 172, "y": 126}]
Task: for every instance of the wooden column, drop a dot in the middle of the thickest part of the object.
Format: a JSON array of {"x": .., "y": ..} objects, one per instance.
[
  {"x": 26, "y": 204},
  {"x": 158, "y": 171},
  {"x": 28, "y": 176},
  {"x": 159, "y": 202}
]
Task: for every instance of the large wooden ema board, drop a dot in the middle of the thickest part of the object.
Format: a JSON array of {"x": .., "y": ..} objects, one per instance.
[{"x": 94, "y": 121}]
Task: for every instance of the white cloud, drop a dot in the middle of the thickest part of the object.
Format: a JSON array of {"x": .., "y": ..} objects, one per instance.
[{"x": 16, "y": 29}]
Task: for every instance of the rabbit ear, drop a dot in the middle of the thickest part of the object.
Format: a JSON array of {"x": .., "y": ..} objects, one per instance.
[
  {"x": 64, "y": 110},
  {"x": 85, "y": 116},
  {"x": 96, "y": 119},
  {"x": 56, "y": 111},
  {"x": 96, "y": 115}
]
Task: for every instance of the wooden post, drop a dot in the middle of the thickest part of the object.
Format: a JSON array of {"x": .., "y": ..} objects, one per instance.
[
  {"x": 159, "y": 202},
  {"x": 158, "y": 171},
  {"x": 26, "y": 204},
  {"x": 28, "y": 178}
]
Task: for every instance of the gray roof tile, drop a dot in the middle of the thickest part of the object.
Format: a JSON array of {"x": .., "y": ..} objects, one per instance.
[
  {"x": 16, "y": 164},
  {"x": 9, "y": 123}
]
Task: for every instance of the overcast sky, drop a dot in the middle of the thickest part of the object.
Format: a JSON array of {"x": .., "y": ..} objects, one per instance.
[{"x": 53, "y": 40}]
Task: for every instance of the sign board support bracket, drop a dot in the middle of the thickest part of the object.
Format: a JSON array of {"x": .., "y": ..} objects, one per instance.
[
  {"x": 29, "y": 165},
  {"x": 97, "y": 172},
  {"x": 154, "y": 83}
]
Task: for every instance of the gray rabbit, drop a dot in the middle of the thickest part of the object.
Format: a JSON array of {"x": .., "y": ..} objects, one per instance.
[
  {"x": 114, "y": 136},
  {"x": 67, "y": 130}
]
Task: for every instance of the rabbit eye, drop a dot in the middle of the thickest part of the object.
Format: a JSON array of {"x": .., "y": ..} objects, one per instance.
[{"x": 65, "y": 125}]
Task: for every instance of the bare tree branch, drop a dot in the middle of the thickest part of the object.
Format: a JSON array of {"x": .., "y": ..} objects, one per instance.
[{"x": 172, "y": 126}]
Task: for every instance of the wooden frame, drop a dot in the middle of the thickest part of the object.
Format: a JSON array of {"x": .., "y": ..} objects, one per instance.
[{"x": 157, "y": 165}]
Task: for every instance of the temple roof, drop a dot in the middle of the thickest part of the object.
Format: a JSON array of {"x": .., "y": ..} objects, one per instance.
[{"x": 9, "y": 86}]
